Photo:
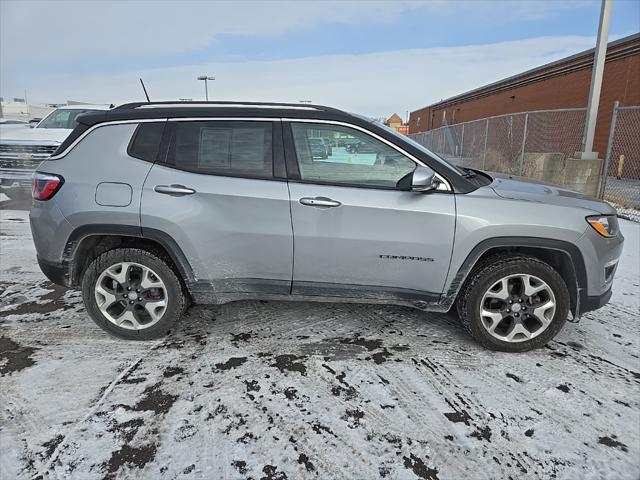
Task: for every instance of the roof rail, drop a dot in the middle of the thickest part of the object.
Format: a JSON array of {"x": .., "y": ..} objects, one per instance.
[{"x": 221, "y": 104}]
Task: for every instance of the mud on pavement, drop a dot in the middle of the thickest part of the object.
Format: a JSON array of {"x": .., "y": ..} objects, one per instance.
[{"x": 274, "y": 390}]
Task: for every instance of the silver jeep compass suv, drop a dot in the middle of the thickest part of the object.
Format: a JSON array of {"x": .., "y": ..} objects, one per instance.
[{"x": 150, "y": 206}]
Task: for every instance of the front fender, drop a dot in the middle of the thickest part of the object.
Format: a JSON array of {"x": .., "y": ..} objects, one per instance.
[
  {"x": 572, "y": 253},
  {"x": 488, "y": 222}
]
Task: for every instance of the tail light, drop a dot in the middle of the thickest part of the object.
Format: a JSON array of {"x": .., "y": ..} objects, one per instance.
[{"x": 45, "y": 185}]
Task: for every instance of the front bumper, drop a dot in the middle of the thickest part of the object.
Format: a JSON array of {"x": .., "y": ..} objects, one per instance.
[
  {"x": 591, "y": 303},
  {"x": 15, "y": 178},
  {"x": 601, "y": 256}
]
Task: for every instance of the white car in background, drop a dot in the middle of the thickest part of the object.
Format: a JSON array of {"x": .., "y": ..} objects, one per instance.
[
  {"x": 22, "y": 149},
  {"x": 7, "y": 124}
]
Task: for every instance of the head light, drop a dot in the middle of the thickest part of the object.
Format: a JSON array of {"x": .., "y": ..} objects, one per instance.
[{"x": 605, "y": 225}]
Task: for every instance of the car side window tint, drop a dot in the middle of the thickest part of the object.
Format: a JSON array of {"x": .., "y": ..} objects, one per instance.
[
  {"x": 145, "y": 144},
  {"x": 341, "y": 155},
  {"x": 233, "y": 148}
]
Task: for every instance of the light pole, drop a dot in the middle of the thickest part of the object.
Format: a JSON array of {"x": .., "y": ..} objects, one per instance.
[
  {"x": 596, "y": 82},
  {"x": 206, "y": 87}
]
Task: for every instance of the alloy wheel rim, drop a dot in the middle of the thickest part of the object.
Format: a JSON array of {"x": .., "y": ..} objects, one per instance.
[
  {"x": 131, "y": 295},
  {"x": 517, "y": 308}
]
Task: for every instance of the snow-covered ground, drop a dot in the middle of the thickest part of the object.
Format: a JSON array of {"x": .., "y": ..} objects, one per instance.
[{"x": 270, "y": 390}]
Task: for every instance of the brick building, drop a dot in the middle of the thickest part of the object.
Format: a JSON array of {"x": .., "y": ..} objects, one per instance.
[
  {"x": 560, "y": 84},
  {"x": 395, "y": 122}
]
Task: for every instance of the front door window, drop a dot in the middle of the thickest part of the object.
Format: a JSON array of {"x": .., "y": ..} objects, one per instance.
[{"x": 345, "y": 156}]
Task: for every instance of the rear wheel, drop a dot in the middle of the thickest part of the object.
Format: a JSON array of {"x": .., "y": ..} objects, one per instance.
[
  {"x": 514, "y": 304},
  {"x": 132, "y": 294}
]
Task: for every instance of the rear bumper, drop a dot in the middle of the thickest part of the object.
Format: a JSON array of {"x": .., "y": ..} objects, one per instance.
[{"x": 58, "y": 273}]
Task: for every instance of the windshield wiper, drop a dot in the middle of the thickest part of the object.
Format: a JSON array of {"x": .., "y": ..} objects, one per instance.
[{"x": 468, "y": 173}]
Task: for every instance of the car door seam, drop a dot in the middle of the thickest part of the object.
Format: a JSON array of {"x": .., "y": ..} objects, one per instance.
[
  {"x": 144, "y": 182},
  {"x": 453, "y": 244},
  {"x": 293, "y": 240},
  {"x": 285, "y": 153}
]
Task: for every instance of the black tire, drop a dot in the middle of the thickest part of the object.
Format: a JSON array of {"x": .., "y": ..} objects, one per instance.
[
  {"x": 491, "y": 271},
  {"x": 176, "y": 301}
]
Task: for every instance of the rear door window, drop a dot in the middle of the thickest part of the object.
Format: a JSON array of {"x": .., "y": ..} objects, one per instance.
[{"x": 229, "y": 148}]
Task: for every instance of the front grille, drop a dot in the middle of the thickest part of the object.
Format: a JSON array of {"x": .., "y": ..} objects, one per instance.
[
  {"x": 26, "y": 164},
  {"x": 18, "y": 149},
  {"x": 24, "y": 156}
]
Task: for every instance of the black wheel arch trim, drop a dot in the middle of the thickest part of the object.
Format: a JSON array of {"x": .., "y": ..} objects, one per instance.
[
  {"x": 163, "y": 239},
  {"x": 569, "y": 249}
]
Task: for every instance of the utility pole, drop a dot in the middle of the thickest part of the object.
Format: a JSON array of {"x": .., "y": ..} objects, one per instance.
[
  {"x": 206, "y": 78},
  {"x": 599, "y": 57}
]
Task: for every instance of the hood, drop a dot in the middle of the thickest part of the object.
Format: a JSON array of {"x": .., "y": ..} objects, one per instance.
[
  {"x": 5, "y": 127},
  {"x": 520, "y": 188},
  {"x": 34, "y": 134}
]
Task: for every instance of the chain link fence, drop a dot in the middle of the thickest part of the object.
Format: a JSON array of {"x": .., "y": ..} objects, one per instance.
[
  {"x": 621, "y": 185},
  {"x": 519, "y": 143},
  {"x": 537, "y": 145}
]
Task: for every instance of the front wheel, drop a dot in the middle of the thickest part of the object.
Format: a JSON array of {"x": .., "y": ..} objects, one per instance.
[
  {"x": 514, "y": 304},
  {"x": 132, "y": 294}
]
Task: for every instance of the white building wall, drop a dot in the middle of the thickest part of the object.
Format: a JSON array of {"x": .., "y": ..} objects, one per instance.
[{"x": 24, "y": 111}]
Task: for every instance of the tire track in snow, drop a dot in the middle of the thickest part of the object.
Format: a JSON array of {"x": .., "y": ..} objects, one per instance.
[
  {"x": 471, "y": 413},
  {"x": 92, "y": 410}
]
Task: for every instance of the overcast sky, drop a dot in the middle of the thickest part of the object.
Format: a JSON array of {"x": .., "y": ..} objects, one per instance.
[{"x": 370, "y": 57}]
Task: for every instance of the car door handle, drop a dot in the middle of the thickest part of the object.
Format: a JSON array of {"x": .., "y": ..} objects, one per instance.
[
  {"x": 319, "y": 202},
  {"x": 175, "y": 190}
]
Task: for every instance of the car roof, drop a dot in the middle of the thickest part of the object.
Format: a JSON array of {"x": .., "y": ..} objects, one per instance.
[
  {"x": 239, "y": 109},
  {"x": 84, "y": 107}
]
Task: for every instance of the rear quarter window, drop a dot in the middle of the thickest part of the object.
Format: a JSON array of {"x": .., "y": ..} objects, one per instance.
[{"x": 145, "y": 143}]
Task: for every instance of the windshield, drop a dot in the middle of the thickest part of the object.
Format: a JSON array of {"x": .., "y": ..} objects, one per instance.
[
  {"x": 422, "y": 148},
  {"x": 62, "y": 118}
]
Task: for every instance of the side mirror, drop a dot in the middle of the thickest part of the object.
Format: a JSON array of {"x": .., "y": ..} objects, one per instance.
[
  {"x": 33, "y": 122},
  {"x": 424, "y": 179}
]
